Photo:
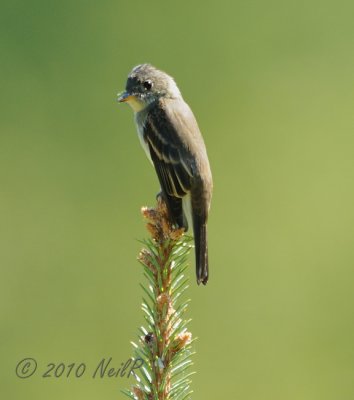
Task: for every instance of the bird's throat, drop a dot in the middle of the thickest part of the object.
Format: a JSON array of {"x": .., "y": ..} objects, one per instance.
[{"x": 136, "y": 104}]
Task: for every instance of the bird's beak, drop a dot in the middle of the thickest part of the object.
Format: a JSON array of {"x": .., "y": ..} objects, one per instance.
[
  {"x": 135, "y": 103},
  {"x": 123, "y": 97}
]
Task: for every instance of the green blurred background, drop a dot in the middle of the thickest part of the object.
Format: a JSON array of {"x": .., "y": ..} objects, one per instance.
[{"x": 271, "y": 84}]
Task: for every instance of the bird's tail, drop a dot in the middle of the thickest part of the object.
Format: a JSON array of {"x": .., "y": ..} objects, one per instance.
[{"x": 201, "y": 249}]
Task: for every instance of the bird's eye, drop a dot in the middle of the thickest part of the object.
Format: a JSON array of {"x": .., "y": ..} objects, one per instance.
[{"x": 147, "y": 85}]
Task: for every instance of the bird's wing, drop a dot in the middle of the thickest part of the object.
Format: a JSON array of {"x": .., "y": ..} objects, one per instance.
[
  {"x": 166, "y": 134},
  {"x": 169, "y": 152}
]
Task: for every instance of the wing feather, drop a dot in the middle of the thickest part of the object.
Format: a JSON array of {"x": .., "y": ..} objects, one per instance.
[{"x": 168, "y": 154}]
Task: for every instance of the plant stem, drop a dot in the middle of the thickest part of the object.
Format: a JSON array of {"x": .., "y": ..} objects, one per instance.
[{"x": 165, "y": 346}]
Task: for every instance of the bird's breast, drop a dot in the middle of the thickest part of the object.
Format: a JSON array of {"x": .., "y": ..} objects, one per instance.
[{"x": 140, "y": 125}]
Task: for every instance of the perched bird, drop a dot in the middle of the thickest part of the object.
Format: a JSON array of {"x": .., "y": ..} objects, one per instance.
[{"x": 169, "y": 134}]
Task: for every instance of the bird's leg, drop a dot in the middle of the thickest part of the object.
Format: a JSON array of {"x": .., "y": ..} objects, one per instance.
[
  {"x": 160, "y": 196},
  {"x": 175, "y": 215}
]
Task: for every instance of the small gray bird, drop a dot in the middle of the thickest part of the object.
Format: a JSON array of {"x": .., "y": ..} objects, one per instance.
[{"x": 169, "y": 134}]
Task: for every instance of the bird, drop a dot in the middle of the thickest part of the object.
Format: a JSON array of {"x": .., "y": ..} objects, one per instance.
[{"x": 169, "y": 134}]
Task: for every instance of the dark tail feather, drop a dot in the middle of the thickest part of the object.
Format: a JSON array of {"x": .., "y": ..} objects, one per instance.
[{"x": 201, "y": 250}]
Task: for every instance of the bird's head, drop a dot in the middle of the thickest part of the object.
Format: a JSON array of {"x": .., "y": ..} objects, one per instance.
[{"x": 147, "y": 84}]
